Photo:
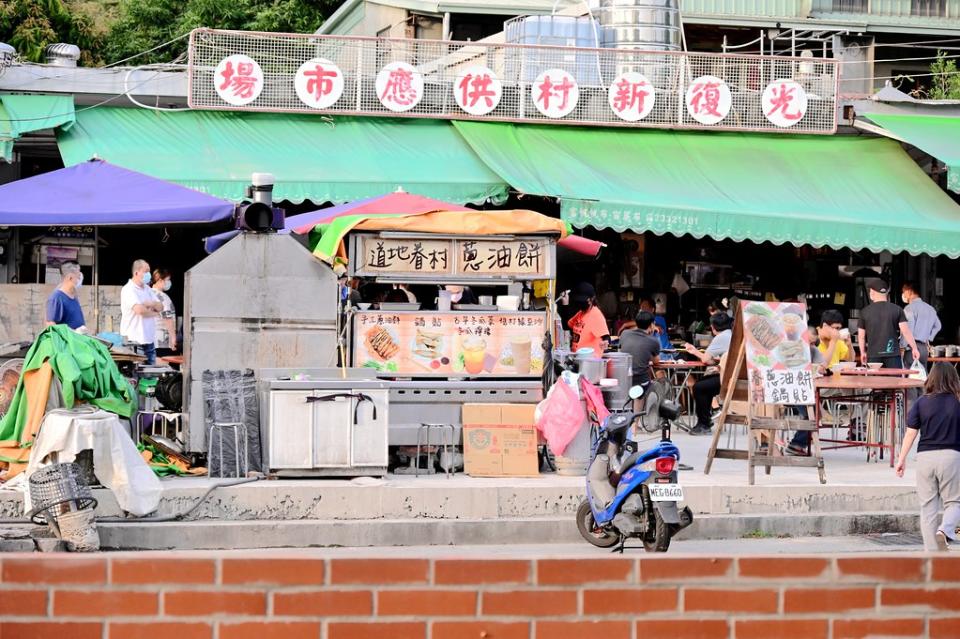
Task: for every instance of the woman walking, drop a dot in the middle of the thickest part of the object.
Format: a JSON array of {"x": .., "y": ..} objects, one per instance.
[{"x": 936, "y": 418}]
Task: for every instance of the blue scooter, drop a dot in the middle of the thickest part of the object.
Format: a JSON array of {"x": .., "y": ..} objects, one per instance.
[{"x": 633, "y": 494}]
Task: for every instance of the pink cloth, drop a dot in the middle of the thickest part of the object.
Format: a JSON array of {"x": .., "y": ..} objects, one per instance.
[
  {"x": 595, "y": 406},
  {"x": 559, "y": 417}
]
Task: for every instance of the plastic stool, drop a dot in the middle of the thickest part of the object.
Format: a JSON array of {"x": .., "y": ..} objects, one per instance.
[
  {"x": 446, "y": 442},
  {"x": 235, "y": 432}
]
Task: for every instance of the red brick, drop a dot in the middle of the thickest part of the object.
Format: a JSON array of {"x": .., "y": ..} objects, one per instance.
[
  {"x": 479, "y": 630},
  {"x": 868, "y": 628},
  {"x": 162, "y": 571},
  {"x": 633, "y": 601},
  {"x": 103, "y": 603},
  {"x": 376, "y": 630},
  {"x": 682, "y": 571},
  {"x": 783, "y": 568},
  {"x": 530, "y": 603},
  {"x": 900, "y": 569},
  {"x": 684, "y": 628},
  {"x": 23, "y": 603},
  {"x": 583, "y": 630},
  {"x": 945, "y": 569},
  {"x": 275, "y": 572},
  {"x": 932, "y": 598},
  {"x": 51, "y": 630},
  {"x": 455, "y": 571},
  {"x": 193, "y": 603},
  {"x": 782, "y": 629},
  {"x": 379, "y": 571},
  {"x": 323, "y": 603},
  {"x": 270, "y": 630},
  {"x": 730, "y": 600},
  {"x": 945, "y": 628},
  {"x": 442, "y": 603},
  {"x": 157, "y": 629},
  {"x": 828, "y": 600},
  {"x": 583, "y": 571},
  {"x": 55, "y": 569}
]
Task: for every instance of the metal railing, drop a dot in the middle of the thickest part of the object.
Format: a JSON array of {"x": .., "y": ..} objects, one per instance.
[
  {"x": 442, "y": 67},
  {"x": 919, "y": 10}
]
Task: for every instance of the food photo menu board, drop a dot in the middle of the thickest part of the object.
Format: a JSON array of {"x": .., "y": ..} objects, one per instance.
[
  {"x": 778, "y": 353},
  {"x": 449, "y": 344}
]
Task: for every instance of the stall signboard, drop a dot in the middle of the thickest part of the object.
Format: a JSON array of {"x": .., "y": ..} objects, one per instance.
[
  {"x": 778, "y": 353},
  {"x": 457, "y": 344},
  {"x": 459, "y": 259}
]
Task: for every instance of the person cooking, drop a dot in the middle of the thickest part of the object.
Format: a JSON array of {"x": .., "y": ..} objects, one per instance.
[
  {"x": 462, "y": 295},
  {"x": 589, "y": 326}
]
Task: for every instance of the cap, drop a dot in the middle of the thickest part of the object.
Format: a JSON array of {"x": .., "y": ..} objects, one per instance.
[
  {"x": 878, "y": 285},
  {"x": 582, "y": 291}
]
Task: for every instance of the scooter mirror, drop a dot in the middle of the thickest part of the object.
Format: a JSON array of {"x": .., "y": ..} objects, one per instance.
[{"x": 635, "y": 392}]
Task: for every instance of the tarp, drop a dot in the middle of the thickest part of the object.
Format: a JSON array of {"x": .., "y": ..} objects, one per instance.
[
  {"x": 937, "y": 135},
  {"x": 310, "y": 156},
  {"x": 327, "y": 239},
  {"x": 837, "y": 191},
  {"x": 97, "y": 193},
  {"x": 391, "y": 203},
  {"x": 21, "y": 114}
]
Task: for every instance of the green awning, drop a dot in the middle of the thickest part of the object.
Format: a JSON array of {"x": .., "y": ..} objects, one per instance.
[
  {"x": 934, "y": 134},
  {"x": 21, "y": 114},
  {"x": 310, "y": 157},
  {"x": 836, "y": 191}
]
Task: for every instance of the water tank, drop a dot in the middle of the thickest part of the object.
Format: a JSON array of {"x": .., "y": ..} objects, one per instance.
[
  {"x": 557, "y": 31},
  {"x": 640, "y": 24}
]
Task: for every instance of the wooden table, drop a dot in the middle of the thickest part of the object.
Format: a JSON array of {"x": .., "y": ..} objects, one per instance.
[
  {"x": 679, "y": 373},
  {"x": 878, "y": 372},
  {"x": 874, "y": 390},
  {"x": 949, "y": 360}
]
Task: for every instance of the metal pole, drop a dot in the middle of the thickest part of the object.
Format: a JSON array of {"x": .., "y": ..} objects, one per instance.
[{"x": 96, "y": 279}]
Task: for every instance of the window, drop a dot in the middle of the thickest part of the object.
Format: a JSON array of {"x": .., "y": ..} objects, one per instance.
[
  {"x": 850, "y": 6},
  {"x": 928, "y": 8}
]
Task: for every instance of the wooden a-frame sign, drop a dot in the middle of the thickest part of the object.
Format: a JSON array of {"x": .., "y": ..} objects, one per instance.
[{"x": 738, "y": 408}]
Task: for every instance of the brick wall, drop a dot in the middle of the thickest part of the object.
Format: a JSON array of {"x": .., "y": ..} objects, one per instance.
[{"x": 302, "y": 595}]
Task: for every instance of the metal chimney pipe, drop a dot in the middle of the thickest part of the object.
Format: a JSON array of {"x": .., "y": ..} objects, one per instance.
[{"x": 62, "y": 54}]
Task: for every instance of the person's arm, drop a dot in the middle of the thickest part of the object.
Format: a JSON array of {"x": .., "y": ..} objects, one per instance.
[
  {"x": 912, "y": 343},
  {"x": 834, "y": 344},
  {"x": 935, "y": 329},
  {"x": 862, "y": 341},
  {"x": 851, "y": 354},
  {"x": 703, "y": 356},
  {"x": 909, "y": 437},
  {"x": 145, "y": 310}
]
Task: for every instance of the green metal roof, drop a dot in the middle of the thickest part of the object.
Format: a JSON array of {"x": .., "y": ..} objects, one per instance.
[
  {"x": 937, "y": 135},
  {"x": 310, "y": 157},
  {"x": 21, "y": 114},
  {"x": 837, "y": 191}
]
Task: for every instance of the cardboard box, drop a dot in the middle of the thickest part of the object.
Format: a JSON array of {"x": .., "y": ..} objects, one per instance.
[{"x": 500, "y": 440}]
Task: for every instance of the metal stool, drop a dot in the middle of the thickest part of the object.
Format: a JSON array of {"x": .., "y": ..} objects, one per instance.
[
  {"x": 447, "y": 432},
  {"x": 235, "y": 432}
]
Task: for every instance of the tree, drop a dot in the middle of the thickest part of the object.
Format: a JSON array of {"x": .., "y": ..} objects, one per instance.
[
  {"x": 144, "y": 24},
  {"x": 31, "y": 25},
  {"x": 945, "y": 79}
]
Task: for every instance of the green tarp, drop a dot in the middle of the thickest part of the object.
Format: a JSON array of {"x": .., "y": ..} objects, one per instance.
[
  {"x": 311, "y": 157},
  {"x": 937, "y": 135},
  {"x": 837, "y": 191},
  {"x": 21, "y": 114}
]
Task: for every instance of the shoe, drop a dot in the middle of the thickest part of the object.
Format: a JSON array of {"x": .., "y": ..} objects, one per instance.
[
  {"x": 684, "y": 467},
  {"x": 701, "y": 430},
  {"x": 942, "y": 544},
  {"x": 797, "y": 451}
]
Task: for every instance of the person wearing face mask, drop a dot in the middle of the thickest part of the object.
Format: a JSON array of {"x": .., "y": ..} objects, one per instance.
[
  {"x": 139, "y": 310},
  {"x": 167, "y": 322},
  {"x": 63, "y": 307},
  {"x": 589, "y": 326},
  {"x": 462, "y": 295}
]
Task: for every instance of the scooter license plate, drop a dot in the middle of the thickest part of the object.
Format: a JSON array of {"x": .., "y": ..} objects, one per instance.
[{"x": 666, "y": 492}]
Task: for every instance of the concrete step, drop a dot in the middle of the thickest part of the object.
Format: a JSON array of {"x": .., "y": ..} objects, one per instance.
[
  {"x": 399, "y": 498},
  {"x": 307, "y": 533}
]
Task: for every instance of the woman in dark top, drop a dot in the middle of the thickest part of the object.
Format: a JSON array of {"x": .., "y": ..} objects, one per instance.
[{"x": 936, "y": 418}]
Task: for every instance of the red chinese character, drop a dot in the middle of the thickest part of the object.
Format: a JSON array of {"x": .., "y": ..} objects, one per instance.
[
  {"x": 242, "y": 83},
  {"x": 399, "y": 88},
  {"x": 782, "y": 97},
  {"x": 629, "y": 95},
  {"x": 480, "y": 85},
  {"x": 706, "y": 98},
  {"x": 320, "y": 82},
  {"x": 549, "y": 89}
]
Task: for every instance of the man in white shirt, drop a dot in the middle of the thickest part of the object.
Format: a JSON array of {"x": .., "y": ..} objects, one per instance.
[{"x": 139, "y": 309}]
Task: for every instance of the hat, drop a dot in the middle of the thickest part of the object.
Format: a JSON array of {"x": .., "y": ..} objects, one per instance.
[
  {"x": 582, "y": 292},
  {"x": 878, "y": 285}
]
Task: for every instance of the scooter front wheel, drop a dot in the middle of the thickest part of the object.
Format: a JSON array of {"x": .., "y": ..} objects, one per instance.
[{"x": 589, "y": 529}]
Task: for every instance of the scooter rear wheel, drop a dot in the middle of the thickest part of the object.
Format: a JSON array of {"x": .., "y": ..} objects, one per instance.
[
  {"x": 658, "y": 539},
  {"x": 589, "y": 529}
]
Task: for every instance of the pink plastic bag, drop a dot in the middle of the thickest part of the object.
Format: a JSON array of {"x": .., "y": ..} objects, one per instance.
[
  {"x": 559, "y": 417},
  {"x": 597, "y": 410}
]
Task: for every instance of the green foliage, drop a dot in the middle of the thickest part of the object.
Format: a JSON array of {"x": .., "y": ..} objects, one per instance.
[
  {"x": 945, "y": 79},
  {"x": 31, "y": 25},
  {"x": 144, "y": 24}
]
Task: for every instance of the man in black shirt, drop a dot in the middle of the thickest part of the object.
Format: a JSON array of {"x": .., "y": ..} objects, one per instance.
[
  {"x": 881, "y": 325},
  {"x": 643, "y": 347}
]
